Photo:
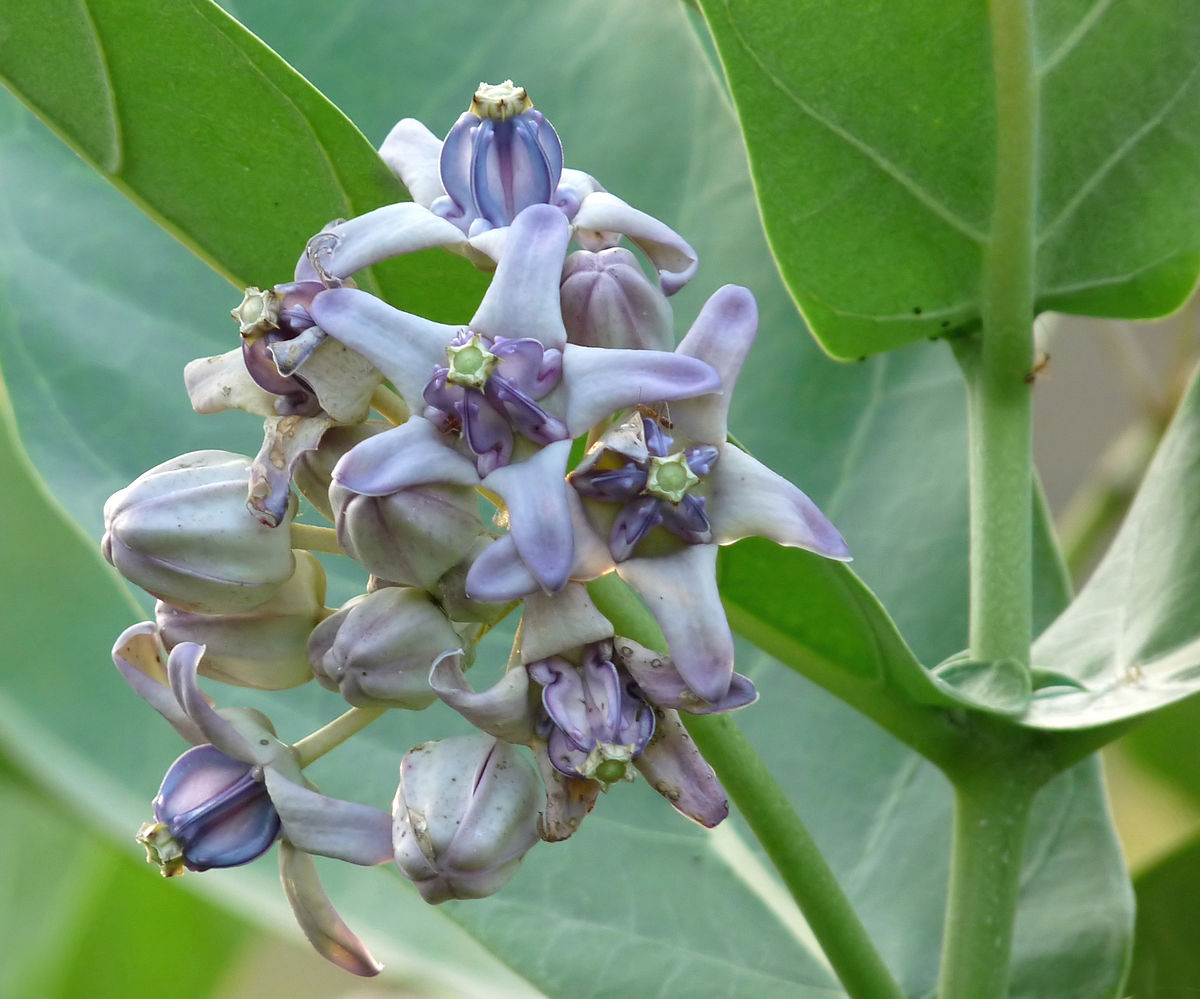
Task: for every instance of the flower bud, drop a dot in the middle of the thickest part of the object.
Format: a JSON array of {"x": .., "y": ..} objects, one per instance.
[
  {"x": 411, "y": 537},
  {"x": 465, "y": 814},
  {"x": 607, "y": 301},
  {"x": 211, "y": 811},
  {"x": 263, "y": 647},
  {"x": 499, "y": 157},
  {"x": 378, "y": 649},
  {"x": 182, "y": 532},
  {"x": 313, "y": 473}
]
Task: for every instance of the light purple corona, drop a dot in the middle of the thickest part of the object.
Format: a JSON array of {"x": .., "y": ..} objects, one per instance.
[{"x": 500, "y": 157}]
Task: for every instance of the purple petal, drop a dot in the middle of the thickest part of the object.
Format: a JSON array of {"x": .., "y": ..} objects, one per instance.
[
  {"x": 317, "y": 917},
  {"x": 746, "y": 499},
  {"x": 328, "y": 826},
  {"x": 636, "y": 519},
  {"x": 721, "y": 335},
  {"x": 412, "y": 152},
  {"x": 566, "y": 700},
  {"x": 381, "y": 234},
  {"x": 526, "y": 416},
  {"x": 523, "y": 298},
  {"x": 600, "y": 382},
  {"x": 182, "y": 665},
  {"x": 486, "y": 432},
  {"x": 687, "y": 520},
  {"x": 673, "y": 766},
  {"x": 503, "y": 710},
  {"x": 681, "y": 591},
  {"x": 216, "y": 809},
  {"x": 532, "y": 368},
  {"x": 535, "y": 492},
  {"x": 414, "y": 454},
  {"x": 660, "y": 682},
  {"x": 610, "y": 485},
  {"x": 138, "y": 655},
  {"x": 454, "y": 170},
  {"x": 674, "y": 259},
  {"x": 404, "y": 347}
]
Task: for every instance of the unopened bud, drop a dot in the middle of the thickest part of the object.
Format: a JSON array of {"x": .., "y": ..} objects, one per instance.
[
  {"x": 464, "y": 816},
  {"x": 378, "y": 649},
  {"x": 607, "y": 301},
  {"x": 211, "y": 811},
  {"x": 263, "y": 647},
  {"x": 182, "y": 532}
]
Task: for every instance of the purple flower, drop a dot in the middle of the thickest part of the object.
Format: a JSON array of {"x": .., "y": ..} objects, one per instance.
[
  {"x": 226, "y": 800},
  {"x": 508, "y": 389},
  {"x": 500, "y": 157},
  {"x": 660, "y": 499}
]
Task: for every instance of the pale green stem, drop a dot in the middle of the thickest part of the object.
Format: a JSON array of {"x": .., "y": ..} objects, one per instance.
[
  {"x": 991, "y": 818},
  {"x": 765, "y": 807},
  {"x": 787, "y": 842},
  {"x": 314, "y": 538},
  {"x": 313, "y": 747},
  {"x": 997, "y": 362},
  {"x": 389, "y": 405},
  {"x": 992, "y": 806}
]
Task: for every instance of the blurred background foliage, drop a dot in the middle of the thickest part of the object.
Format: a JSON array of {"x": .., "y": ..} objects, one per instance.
[{"x": 75, "y": 892}]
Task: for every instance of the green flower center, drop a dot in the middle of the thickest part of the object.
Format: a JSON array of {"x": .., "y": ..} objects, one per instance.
[
  {"x": 670, "y": 478},
  {"x": 470, "y": 365}
]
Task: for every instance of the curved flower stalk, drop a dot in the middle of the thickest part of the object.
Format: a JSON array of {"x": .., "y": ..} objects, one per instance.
[
  {"x": 662, "y": 499},
  {"x": 499, "y": 158},
  {"x": 224, "y": 802},
  {"x": 507, "y": 390}
]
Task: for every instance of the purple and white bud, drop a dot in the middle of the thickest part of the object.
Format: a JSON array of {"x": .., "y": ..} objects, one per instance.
[
  {"x": 263, "y": 647},
  {"x": 500, "y": 157},
  {"x": 413, "y": 536},
  {"x": 378, "y": 649},
  {"x": 211, "y": 811},
  {"x": 182, "y": 532},
  {"x": 607, "y": 301},
  {"x": 464, "y": 816}
]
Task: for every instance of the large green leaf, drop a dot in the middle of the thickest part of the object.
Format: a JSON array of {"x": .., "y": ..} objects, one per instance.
[
  {"x": 1165, "y": 960},
  {"x": 79, "y": 917},
  {"x": 880, "y": 445},
  {"x": 872, "y": 135},
  {"x": 242, "y": 170},
  {"x": 1130, "y": 642}
]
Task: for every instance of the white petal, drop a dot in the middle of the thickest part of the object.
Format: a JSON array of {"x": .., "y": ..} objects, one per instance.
[
  {"x": 412, "y": 151},
  {"x": 555, "y": 623},
  {"x": 330, "y": 827},
  {"x": 722, "y": 335},
  {"x": 317, "y": 917},
  {"x": 384, "y": 233},
  {"x": 523, "y": 299},
  {"x": 681, "y": 592},
  {"x": 406, "y": 348},
  {"x": 747, "y": 500},
  {"x": 215, "y": 384},
  {"x": 671, "y": 255},
  {"x": 138, "y": 655}
]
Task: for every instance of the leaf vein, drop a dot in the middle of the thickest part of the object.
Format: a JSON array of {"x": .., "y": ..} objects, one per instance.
[{"x": 1077, "y": 35}]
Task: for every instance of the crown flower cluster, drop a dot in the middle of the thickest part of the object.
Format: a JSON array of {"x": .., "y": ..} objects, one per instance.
[{"x": 476, "y": 472}]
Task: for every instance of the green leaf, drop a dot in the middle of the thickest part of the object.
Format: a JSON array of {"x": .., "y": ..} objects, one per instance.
[
  {"x": 242, "y": 171},
  {"x": 97, "y": 397},
  {"x": 1165, "y": 961},
  {"x": 80, "y": 917},
  {"x": 871, "y": 129},
  {"x": 1131, "y": 639}
]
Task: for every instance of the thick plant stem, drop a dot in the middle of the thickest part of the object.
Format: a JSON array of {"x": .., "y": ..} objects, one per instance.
[
  {"x": 765, "y": 807},
  {"x": 998, "y": 362},
  {"x": 991, "y": 818}
]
